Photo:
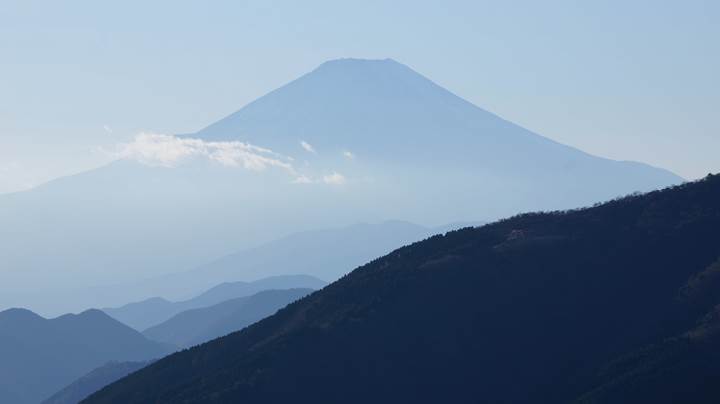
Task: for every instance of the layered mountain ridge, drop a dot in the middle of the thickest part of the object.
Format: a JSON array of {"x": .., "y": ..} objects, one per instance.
[
  {"x": 196, "y": 326},
  {"x": 40, "y": 356},
  {"x": 615, "y": 303},
  {"x": 151, "y": 312}
]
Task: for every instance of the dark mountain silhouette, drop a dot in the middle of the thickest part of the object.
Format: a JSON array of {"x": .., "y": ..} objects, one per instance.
[
  {"x": 150, "y": 312},
  {"x": 196, "y": 326},
  {"x": 94, "y": 381},
  {"x": 40, "y": 356},
  {"x": 532, "y": 309},
  {"x": 382, "y": 142},
  {"x": 683, "y": 368}
]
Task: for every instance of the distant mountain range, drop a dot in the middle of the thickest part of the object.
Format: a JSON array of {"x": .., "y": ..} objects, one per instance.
[
  {"x": 326, "y": 254},
  {"x": 352, "y": 141},
  {"x": 40, "y": 356},
  {"x": 615, "y": 303},
  {"x": 196, "y": 326},
  {"x": 153, "y": 311},
  {"x": 190, "y": 327}
]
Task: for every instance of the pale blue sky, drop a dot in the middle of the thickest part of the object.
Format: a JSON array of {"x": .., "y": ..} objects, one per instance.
[{"x": 635, "y": 80}]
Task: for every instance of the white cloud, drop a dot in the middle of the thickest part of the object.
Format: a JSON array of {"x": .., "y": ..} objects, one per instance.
[
  {"x": 330, "y": 179},
  {"x": 168, "y": 151},
  {"x": 349, "y": 155},
  {"x": 108, "y": 129},
  {"x": 308, "y": 147},
  {"x": 334, "y": 179},
  {"x": 302, "y": 179},
  {"x": 14, "y": 177},
  {"x": 157, "y": 150}
]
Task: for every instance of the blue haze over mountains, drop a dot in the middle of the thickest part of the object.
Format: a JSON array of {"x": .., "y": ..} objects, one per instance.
[
  {"x": 617, "y": 303},
  {"x": 376, "y": 140},
  {"x": 196, "y": 326},
  {"x": 65, "y": 359},
  {"x": 151, "y": 312},
  {"x": 40, "y": 356}
]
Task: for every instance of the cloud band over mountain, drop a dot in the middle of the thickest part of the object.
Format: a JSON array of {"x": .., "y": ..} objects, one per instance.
[{"x": 169, "y": 151}]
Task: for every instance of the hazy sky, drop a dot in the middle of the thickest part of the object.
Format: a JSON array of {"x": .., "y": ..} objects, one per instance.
[{"x": 634, "y": 80}]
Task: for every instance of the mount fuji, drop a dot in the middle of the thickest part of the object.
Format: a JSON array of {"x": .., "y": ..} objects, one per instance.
[{"x": 352, "y": 141}]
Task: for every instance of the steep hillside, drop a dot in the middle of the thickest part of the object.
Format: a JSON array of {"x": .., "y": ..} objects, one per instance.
[
  {"x": 532, "y": 309},
  {"x": 94, "y": 381},
  {"x": 683, "y": 368}
]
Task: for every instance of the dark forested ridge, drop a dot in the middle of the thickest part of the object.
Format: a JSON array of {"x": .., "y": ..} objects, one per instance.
[
  {"x": 611, "y": 303},
  {"x": 94, "y": 381}
]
